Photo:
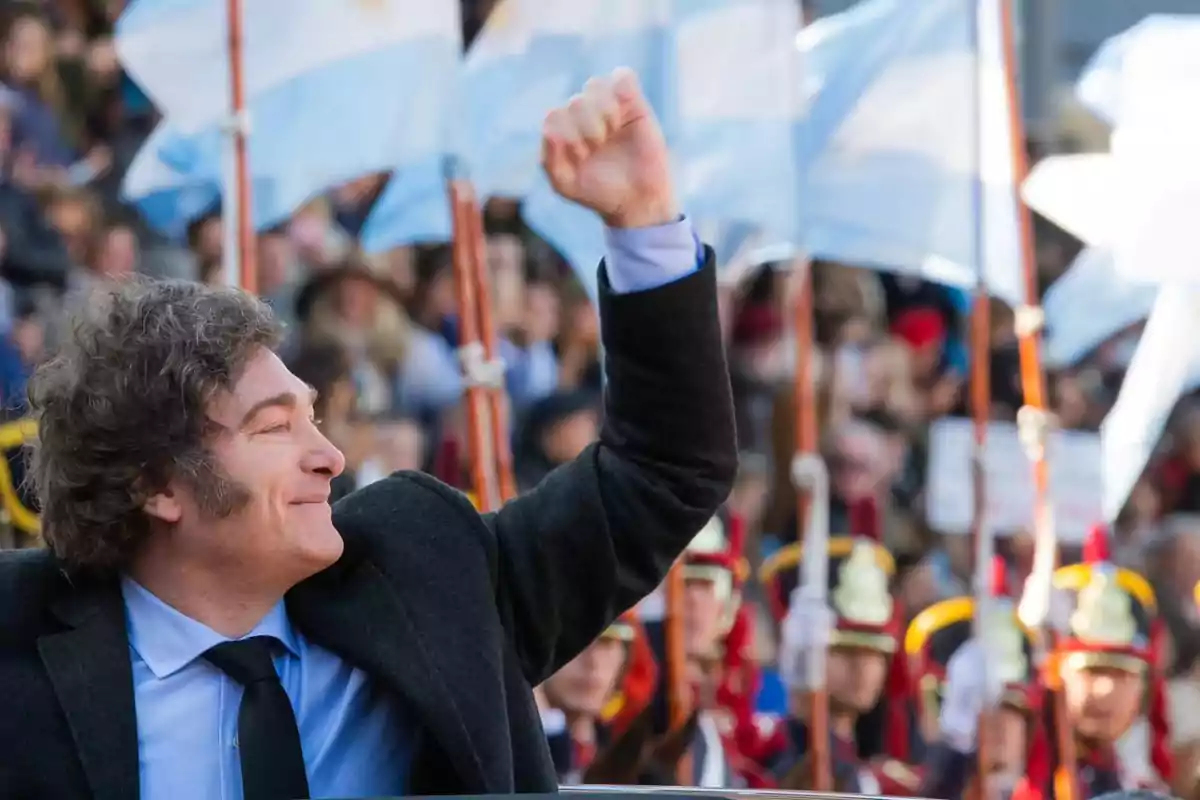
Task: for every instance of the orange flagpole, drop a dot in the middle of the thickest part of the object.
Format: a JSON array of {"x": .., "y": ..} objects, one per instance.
[
  {"x": 806, "y": 444},
  {"x": 498, "y": 417},
  {"x": 248, "y": 279},
  {"x": 1033, "y": 420},
  {"x": 470, "y": 345}
]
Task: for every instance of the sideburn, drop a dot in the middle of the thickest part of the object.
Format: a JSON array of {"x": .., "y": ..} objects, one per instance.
[{"x": 216, "y": 493}]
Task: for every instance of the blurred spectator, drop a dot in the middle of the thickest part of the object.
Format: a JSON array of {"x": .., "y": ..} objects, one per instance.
[
  {"x": 21, "y": 348},
  {"x": 554, "y": 431},
  {"x": 362, "y": 312},
  {"x": 31, "y": 252}
]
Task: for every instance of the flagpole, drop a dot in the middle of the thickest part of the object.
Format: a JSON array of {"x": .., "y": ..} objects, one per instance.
[
  {"x": 476, "y": 374},
  {"x": 498, "y": 418},
  {"x": 816, "y": 545},
  {"x": 245, "y": 266},
  {"x": 1033, "y": 422},
  {"x": 981, "y": 398}
]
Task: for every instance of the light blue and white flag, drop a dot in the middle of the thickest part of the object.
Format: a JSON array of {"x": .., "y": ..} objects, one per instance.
[
  {"x": 335, "y": 89},
  {"x": 723, "y": 77},
  {"x": 1102, "y": 85},
  {"x": 907, "y": 150},
  {"x": 1088, "y": 305},
  {"x": 1165, "y": 364},
  {"x": 631, "y": 33},
  {"x": 414, "y": 208},
  {"x": 524, "y": 62}
]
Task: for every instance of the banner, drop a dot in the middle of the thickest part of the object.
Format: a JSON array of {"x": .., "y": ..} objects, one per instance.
[{"x": 1076, "y": 480}]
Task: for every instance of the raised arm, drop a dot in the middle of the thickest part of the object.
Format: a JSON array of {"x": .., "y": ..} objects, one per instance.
[{"x": 601, "y": 532}]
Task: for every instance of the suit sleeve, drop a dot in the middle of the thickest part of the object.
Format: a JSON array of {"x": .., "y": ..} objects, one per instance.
[
  {"x": 947, "y": 773},
  {"x": 599, "y": 533}
]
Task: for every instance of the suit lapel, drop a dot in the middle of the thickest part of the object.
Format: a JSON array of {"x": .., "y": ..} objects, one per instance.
[
  {"x": 90, "y": 669},
  {"x": 362, "y": 619}
]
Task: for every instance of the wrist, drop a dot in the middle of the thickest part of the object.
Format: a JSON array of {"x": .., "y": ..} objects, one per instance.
[{"x": 649, "y": 214}]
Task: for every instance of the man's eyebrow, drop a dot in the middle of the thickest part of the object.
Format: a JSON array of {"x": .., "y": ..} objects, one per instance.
[{"x": 286, "y": 400}]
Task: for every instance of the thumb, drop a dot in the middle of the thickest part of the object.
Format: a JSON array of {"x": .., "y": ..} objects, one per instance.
[{"x": 632, "y": 101}]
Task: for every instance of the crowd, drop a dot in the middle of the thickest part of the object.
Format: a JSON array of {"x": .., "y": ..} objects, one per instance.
[{"x": 377, "y": 335}]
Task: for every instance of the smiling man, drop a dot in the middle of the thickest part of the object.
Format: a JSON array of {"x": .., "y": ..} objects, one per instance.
[{"x": 202, "y": 624}]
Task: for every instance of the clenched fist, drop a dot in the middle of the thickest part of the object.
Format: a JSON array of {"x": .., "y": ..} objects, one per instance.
[{"x": 605, "y": 151}]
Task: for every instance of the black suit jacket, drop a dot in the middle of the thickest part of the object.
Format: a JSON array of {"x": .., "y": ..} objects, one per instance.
[{"x": 455, "y": 613}]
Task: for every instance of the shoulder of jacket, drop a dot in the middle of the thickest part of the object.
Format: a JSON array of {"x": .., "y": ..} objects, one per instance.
[
  {"x": 423, "y": 512},
  {"x": 29, "y": 582}
]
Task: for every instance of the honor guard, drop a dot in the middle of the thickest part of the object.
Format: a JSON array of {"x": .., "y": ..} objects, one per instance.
[
  {"x": 20, "y": 508},
  {"x": 614, "y": 674},
  {"x": 861, "y": 630},
  {"x": 1109, "y": 659},
  {"x": 949, "y": 672},
  {"x": 716, "y": 636}
]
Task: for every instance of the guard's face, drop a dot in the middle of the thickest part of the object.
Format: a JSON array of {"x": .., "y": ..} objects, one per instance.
[
  {"x": 584, "y": 684},
  {"x": 702, "y": 612},
  {"x": 1006, "y": 736},
  {"x": 855, "y": 677},
  {"x": 1103, "y": 702},
  {"x": 262, "y": 510}
]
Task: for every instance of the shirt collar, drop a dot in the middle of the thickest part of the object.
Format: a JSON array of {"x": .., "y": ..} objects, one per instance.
[{"x": 168, "y": 640}]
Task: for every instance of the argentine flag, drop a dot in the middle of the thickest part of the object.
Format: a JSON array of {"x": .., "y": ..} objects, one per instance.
[
  {"x": 906, "y": 149},
  {"x": 335, "y": 89},
  {"x": 523, "y": 63},
  {"x": 723, "y": 76}
]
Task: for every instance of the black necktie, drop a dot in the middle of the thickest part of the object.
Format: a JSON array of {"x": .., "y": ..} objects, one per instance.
[{"x": 268, "y": 739}]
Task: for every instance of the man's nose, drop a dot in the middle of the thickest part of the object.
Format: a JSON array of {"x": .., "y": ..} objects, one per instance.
[{"x": 324, "y": 458}]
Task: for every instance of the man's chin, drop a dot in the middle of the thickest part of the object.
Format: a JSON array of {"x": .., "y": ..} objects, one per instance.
[{"x": 321, "y": 546}]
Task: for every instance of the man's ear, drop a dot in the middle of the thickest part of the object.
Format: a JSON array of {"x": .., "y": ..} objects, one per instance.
[{"x": 164, "y": 506}]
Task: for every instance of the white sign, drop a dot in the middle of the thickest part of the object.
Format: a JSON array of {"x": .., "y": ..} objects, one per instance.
[{"x": 1075, "y": 480}]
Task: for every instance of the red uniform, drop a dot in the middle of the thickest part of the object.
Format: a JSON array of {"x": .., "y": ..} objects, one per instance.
[{"x": 867, "y": 618}]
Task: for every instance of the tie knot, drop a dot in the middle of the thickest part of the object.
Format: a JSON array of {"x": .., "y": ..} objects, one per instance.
[{"x": 247, "y": 661}]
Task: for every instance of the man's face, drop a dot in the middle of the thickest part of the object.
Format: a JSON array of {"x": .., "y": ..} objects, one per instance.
[
  {"x": 702, "y": 612},
  {"x": 118, "y": 257},
  {"x": 855, "y": 678},
  {"x": 856, "y": 464},
  {"x": 1103, "y": 703},
  {"x": 567, "y": 439},
  {"x": 1006, "y": 734},
  {"x": 267, "y": 504},
  {"x": 585, "y": 683}
]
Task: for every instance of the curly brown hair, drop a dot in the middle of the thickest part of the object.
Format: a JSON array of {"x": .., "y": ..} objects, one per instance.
[{"x": 122, "y": 410}]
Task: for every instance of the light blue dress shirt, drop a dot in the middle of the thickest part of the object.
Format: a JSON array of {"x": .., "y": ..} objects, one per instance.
[{"x": 357, "y": 741}]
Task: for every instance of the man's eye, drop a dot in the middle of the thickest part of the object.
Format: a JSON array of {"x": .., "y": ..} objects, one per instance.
[{"x": 282, "y": 427}]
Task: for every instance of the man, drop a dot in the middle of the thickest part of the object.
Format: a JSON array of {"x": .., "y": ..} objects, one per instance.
[
  {"x": 949, "y": 669},
  {"x": 579, "y": 696},
  {"x": 1110, "y": 661},
  {"x": 713, "y": 572},
  {"x": 388, "y": 647},
  {"x": 866, "y": 681}
]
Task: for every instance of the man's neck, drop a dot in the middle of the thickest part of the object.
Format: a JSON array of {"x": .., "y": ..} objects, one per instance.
[
  {"x": 843, "y": 726},
  {"x": 582, "y": 727},
  {"x": 224, "y": 602},
  {"x": 1095, "y": 751}
]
